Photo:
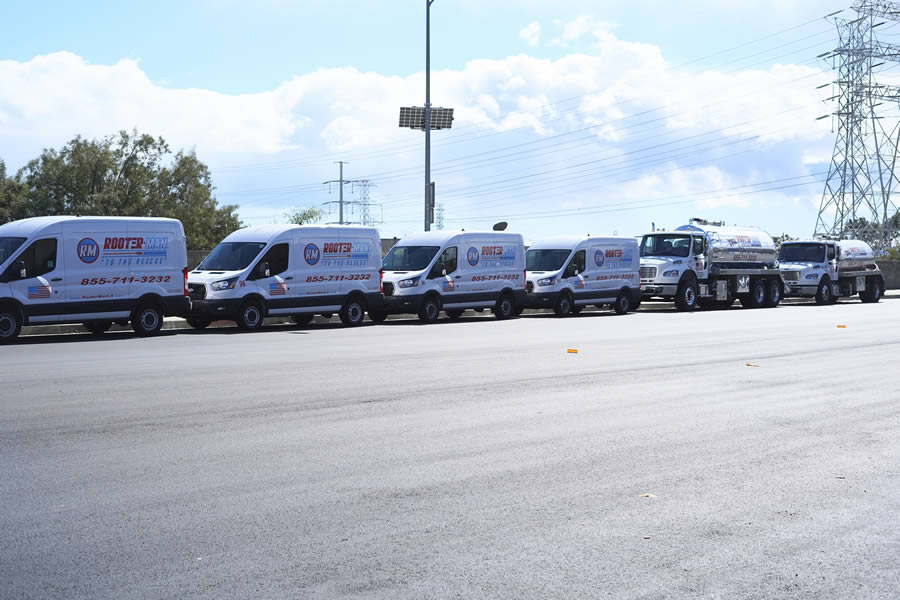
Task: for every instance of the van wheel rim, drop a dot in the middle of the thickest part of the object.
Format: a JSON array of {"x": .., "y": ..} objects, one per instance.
[
  {"x": 7, "y": 325},
  {"x": 506, "y": 307},
  {"x": 431, "y": 310},
  {"x": 251, "y": 316},
  {"x": 623, "y": 304},
  {"x": 355, "y": 312},
  {"x": 564, "y": 306},
  {"x": 149, "y": 319}
]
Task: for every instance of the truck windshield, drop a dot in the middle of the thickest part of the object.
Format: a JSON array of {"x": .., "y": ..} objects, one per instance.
[
  {"x": 802, "y": 253},
  {"x": 8, "y": 245},
  {"x": 409, "y": 258},
  {"x": 668, "y": 244},
  {"x": 545, "y": 260},
  {"x": 231, "y": 256}
]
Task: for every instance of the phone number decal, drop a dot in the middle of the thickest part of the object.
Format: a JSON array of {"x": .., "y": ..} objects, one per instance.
[
  {"x": 508, "y": 277},
  {"x": 353, "y": 277},
  {"x": 132, "y": 279},
  {"x": 620, "y": 276}
]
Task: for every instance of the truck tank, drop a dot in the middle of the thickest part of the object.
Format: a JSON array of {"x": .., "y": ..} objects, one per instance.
[
  {"x": 855, "y": 254},
  {"x": 736, "y": 245}
]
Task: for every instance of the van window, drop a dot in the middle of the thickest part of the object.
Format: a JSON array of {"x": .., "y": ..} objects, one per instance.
[
  {"x": 231, "y": 256},
  {"x": 698, "y": 246},
  {"x": 409, "y": 258},
  {"x": 277, "y": 257},
  {"x": 831, "y": 252},
  {"x": 40, "y": 257},
  {"x": 8, "y": 245},
  {"x": 448, "y": 257},
  {"x": 576, "y": 265}
]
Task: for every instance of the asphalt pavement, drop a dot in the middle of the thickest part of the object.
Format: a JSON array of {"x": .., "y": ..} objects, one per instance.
[{"x": 725, "y": 454}]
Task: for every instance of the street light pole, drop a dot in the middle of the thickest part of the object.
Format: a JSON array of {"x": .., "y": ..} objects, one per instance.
[{"x": 427, "y": 113}]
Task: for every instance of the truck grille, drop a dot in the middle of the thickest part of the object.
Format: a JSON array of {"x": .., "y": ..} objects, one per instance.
[
  {"x": 791, "y": 275},
  {"x": 529, "y": 286},
  {"x": 388, "y": 288},
  {"x": 648, "y": 272},
  {"x": 197, "y": 291}
]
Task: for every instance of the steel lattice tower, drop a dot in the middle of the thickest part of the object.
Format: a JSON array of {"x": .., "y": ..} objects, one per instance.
[{"x": 858, "y": 198}]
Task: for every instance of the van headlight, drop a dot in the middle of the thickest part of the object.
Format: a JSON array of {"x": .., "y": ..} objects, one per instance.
[
  {"x": 812, "y": 276},
  {"x": 673, "y": 273},
  {"x": 546, "y": 281},
  {"x": 225, "y": 284},
  {"x": 408, "y": 283}
]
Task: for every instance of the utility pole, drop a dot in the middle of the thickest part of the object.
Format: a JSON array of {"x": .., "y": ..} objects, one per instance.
[
  {"x": 340, "y": 181},
  {"x": 428, "y": 114},
  {"x": 364, "y": 204}
]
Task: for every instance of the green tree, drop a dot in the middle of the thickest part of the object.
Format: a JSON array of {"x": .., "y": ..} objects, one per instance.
[
  {"x": 128, "y": 175},
  {"x": 299, "y": 216},
  {"x": 780, "y": 239},
  {"x": 12, "y": 197}
]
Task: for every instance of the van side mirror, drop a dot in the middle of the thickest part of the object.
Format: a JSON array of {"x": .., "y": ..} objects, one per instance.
[
  {"x": 438, "y": 270},
  {"x": 261, "y": 270},
  {"x": 20, "y": 267}
]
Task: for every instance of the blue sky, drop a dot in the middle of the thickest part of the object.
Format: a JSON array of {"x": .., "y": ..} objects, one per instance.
[{"x": 571, "y": 116}]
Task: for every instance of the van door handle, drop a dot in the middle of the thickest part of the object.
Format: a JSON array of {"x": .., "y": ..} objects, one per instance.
[
  {"x": 286, "y": 278},
  {"x": 459, "y": 276},
  {"x": 56, "y": 279}
]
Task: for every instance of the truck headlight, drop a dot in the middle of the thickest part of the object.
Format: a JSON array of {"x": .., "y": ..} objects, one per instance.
[
  {"x": 673, "y": 273},
  {"x": 812, "y": 276},
  {"x": 225, "y": 284},
  {"x": 408, "y": 283},
  {"x": 546, "y": 281}
]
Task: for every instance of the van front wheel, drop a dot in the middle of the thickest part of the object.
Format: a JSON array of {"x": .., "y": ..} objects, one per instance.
[
  {"x": 251, "y": 316},
  {"x": 147, "y": 319},
  {"x": 353, "y": 312}
]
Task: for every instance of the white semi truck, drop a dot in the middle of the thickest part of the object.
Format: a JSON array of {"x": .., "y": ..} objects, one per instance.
[
  {"x": 830, "y": 269},
  {"x": 706, "y": 263}
]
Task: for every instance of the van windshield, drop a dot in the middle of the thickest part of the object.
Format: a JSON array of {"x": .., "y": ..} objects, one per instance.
[
  {"x": 666, "y": 245},
  {"x": 409, "y": 258},
  {"x": 802, "y": 253},
  {"x": 231, "y": 256},
  {"x": 545, "y": 260},
  {"x": 8, "y": 245}
]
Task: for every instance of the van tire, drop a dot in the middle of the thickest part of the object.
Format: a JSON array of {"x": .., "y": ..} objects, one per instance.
[
  {"x": 303, "y": 318},
  {"x": 353, "y": 312},
  {"x": 505, "y": 307},
  {"x": 686, "y": 297},
  {"x": 623, "y": 303},
  {"x": 147, "y": 319},
  {"x": 198, "y": 323},
  {"x": 563, "y": 306},
  {"x": 97, "y": 327},
  {"x": 430, "y": 309},
  {"x": 823, "y": 294},
  {"x": 378, "y": 316},
  {"x": 873, "y": 292},
  {"x": 10, "y": 323},
  {"x": 773, "y": 293},
  {"x": 454, "y": 313},
  {"x": 251, "y": 316}
]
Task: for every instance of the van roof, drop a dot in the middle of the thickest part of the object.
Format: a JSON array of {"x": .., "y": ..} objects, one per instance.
[
  {"x": 441, "y": 237},
  {"x": 30, "y": 226},
  {"x": 561, "y": 242},
  {"x": 264, "y": 233}
]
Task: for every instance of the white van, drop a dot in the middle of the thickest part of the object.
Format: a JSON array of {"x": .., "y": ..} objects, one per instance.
[
  {"x": 95, "y": 270},
  {"x": 571, "y": 272},
  {"x": 296, "y": 270},
  {"x": 453, "y": 271}
]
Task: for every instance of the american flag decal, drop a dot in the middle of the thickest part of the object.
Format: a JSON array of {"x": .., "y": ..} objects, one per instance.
[
  {"x": 277, "y": 289},
  {"x": 36, "y": 292}
]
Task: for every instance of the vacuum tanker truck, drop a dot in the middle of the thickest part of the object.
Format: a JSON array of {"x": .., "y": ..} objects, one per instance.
[
  {"x": 830, "y": 269},
  {"x": 706, "y": 263}
]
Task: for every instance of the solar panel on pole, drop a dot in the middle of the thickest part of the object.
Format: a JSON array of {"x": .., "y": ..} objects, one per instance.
[{"x": 413, "y": 117}]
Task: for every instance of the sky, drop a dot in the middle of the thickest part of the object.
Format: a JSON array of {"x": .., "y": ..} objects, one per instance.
[{"x": 598, "y": 117}]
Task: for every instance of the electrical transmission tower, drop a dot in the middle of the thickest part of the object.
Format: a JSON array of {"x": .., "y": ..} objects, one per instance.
[
  {"x": 858, "y": 200},
  {"x": 439, "y": 217},
  {"x": 348, "y": 207}
]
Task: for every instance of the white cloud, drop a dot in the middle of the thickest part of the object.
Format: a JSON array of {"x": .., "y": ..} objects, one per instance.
[{"x": 531, "y": 33}]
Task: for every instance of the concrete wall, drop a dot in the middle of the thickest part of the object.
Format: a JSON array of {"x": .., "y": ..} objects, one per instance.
[{"x": 891, "y": 270}]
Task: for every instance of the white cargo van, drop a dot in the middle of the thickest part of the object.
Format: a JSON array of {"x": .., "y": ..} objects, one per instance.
[
  {"x": 453, "y": 271},
  {"x": 94, "y": 270},
  {"x": 296, "y": 270},
  {"x": 568, "y": 273}
]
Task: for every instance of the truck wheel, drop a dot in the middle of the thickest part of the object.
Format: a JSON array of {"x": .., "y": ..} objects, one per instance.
[
  {"x": 686, "y": 298},
  {"x": 454, "y": 313},
  {"x": 353, "y": 312},
  {"x": 97, "y": 327},
  {"x": 378, "y": 316},
  {"x": 773, "y": 293},
  {"x": 431, "y": 308},
  {"x": 505, "y": 307},
  {"x": 563, "y": 306},
  {"x": 823, "y": 295},
  {"x": 10, "y": 323},
  {"x": 147, "y": 319},
  {"x": 303, "y": 318},
  {"x": 250, "y": 318},
  {"x": 872, "y": 293},
  {"x": 622, "y": 304},
  {"x": 756, "y": 298},
  {"x": 198, "y": 323}
]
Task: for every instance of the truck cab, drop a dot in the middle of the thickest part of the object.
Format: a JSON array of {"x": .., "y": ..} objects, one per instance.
[{"x": 668, "y": 259}]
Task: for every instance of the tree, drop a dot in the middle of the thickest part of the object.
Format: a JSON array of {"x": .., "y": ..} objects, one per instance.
[
  {"x": 127, "y": 175},
  {"x": 12, "y": 197},
  {"x": 780, "y": 239},
  {"x": 299, "y": 216}
]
